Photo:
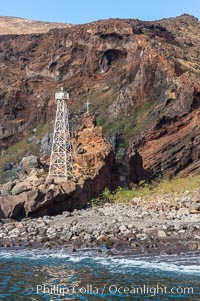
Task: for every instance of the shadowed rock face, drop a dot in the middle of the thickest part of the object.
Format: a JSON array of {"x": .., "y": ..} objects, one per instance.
[{"x": 143, "y": 78}]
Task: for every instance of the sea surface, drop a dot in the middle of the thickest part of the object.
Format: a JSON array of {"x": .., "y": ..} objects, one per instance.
[{"x": 58, "y": 275}]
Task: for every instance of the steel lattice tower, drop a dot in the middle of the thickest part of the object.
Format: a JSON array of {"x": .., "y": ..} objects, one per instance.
[{"x": 61, "y": 163}]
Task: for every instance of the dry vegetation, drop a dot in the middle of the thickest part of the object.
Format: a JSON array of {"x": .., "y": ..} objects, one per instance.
[{"x": 12, "y": 25}]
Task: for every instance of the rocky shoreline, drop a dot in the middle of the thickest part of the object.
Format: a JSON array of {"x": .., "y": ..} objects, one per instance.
[{"x": 167, "y": 224}]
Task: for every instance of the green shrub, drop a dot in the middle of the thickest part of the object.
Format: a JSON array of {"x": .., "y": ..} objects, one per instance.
[
  {"x": 101, "y": 121},
  {"x": 143, "y": 189},
  {"x": 123, "y": 195}
]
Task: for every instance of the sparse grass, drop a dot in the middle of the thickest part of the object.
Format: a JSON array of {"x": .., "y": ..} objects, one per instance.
[
  {"x": 43, "y": 128},
  {"x": 129, "y": 125},
  {"x": 10, "y": 174},
  {"x": 126, "y": 126},
  {"x": 165, "y": 186},
  {"x": 177, "y": 185},
  {"x": 98, "y": 99},
  {"x": 101, "y": 121},
  {"x": 21, "y": 148},
  {"x": 15, "y": 152}
]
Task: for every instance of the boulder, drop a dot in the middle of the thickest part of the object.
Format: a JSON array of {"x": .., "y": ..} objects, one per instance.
[
  {"x": 123, "y": 228},
  {"x": 7, "y": 187},
  {"x": 20, "y": 187},
  {"x": 49, "y": 180},
  {"x": 195, "y": 206},
  {"x": 31, "y": 139},
  {"x": 183, "y": 212},
  {"x": 30, "y": 162},
  {"x": 194, "y": 211},
  {"x": 162, "y": 234},
  {"x": 46, "y": 143},
  {"x": 12, "y": 206},
  {"x": 34, "y": 199},
  {"x": 8, "y": 166}
]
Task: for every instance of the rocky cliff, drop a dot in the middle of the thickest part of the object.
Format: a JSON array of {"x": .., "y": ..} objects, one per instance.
[
  {"x": 141, "y": 77},
  {"x": 36, "y": 194}
]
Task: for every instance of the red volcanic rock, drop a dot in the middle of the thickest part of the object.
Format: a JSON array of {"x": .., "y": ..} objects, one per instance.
[
  {"x": 35, "y": 195},
  {"x": 142, "y": 77}
]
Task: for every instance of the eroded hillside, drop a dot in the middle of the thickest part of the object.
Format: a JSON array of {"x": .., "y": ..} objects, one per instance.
[
  {"x": 13, "y": 25},
  {"x": 141, "y": 77}
]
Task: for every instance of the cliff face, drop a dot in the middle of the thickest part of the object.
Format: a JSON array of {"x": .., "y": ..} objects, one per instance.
[
  {"x": 142, "y": 77},
  {"x": 36, "y": 194}
]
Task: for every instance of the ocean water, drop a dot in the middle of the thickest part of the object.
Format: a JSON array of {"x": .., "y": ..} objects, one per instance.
[{"x": 58, "y": 275}]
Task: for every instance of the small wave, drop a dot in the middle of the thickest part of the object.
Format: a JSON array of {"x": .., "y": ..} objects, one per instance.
[
  {"x": 37, "y": 254},
  {"x": 162, "y": 264},
  {"x": 180, "y": 264}
]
